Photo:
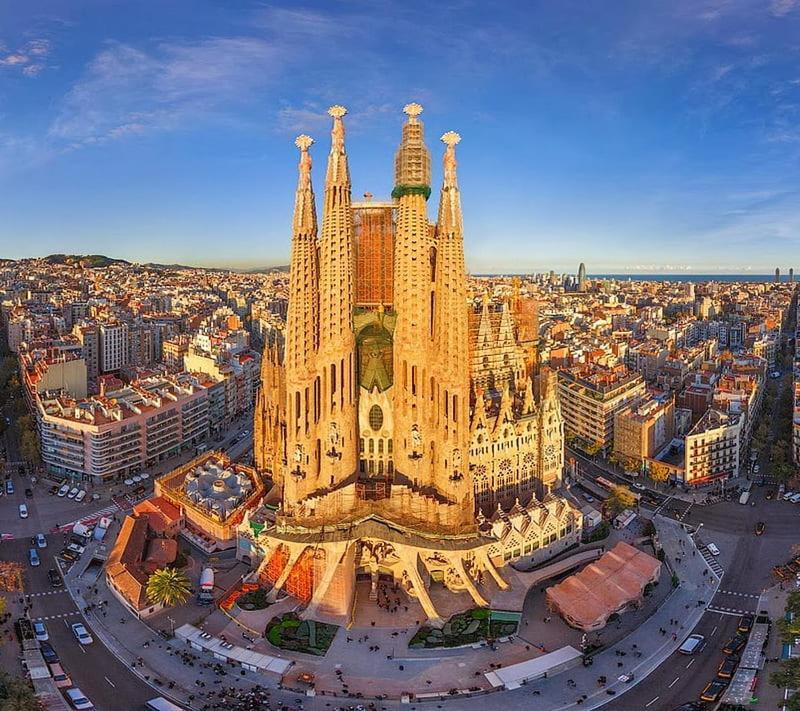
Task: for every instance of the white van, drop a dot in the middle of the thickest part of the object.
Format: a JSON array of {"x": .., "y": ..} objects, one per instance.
[{"x": 693, "y": 643}]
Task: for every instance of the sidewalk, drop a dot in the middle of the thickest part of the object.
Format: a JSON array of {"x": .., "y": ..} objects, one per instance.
[
  {"x": 132, "y": 641},
  {"x": 151, "y": 657}
]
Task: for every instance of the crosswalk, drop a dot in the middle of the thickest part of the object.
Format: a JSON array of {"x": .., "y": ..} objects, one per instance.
[
  {"x": 752, "y": 596},
  {"x": 61, "y": 616},
  {"x": 741, "y": 605},
  {"x": 46, "y": 592},
  {"x": 729, "y": 610},
  {"x": 109, "y": 510},
  {"x": 682, "y": 516},
  {"x": 716, "y": 568}
]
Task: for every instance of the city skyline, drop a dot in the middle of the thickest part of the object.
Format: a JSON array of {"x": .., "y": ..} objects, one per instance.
[{"x": 642, "y": 140}]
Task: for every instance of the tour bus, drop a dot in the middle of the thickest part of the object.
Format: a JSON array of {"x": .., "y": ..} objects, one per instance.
[{"x": 161, "y": 704}]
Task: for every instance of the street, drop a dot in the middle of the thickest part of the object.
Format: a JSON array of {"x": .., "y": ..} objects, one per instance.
[{"x": 92, "y": 667}]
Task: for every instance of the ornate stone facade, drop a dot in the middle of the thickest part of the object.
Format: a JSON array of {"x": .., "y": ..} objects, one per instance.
[{"x": 370, "y": 417}]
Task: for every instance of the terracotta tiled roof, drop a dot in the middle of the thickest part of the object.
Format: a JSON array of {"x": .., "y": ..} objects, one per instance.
[{"x": 616, "y": 579}]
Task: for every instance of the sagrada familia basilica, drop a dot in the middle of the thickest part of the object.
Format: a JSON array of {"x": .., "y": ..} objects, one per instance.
[{"x": 411, "y": 435}]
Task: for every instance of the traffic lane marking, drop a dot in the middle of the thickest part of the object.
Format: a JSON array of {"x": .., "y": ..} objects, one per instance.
[{"x": 651, "y": 702}]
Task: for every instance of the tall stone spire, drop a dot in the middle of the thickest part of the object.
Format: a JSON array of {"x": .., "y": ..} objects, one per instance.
[
  {"x": 337, "y": 362},
  {"x": 451, "y": 337},
  {"x": 303, "y": 314},
  {"x": 302, "y": 328},
  {"x": 415, "y": 444}
]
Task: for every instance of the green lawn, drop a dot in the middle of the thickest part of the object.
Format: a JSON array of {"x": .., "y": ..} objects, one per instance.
[
  {"x": 296, "y": 635},
  {"x": 467, "y": 628}
]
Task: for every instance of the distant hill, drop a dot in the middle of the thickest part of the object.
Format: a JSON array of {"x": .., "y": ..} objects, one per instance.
[
  {"x": 89, "y": 260},
  {"x": 265, "y": 270},
  {"x": 98, "y": 261}
]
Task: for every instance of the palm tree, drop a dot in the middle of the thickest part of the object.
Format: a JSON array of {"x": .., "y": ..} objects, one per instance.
[{"x": 168, "y": 586}]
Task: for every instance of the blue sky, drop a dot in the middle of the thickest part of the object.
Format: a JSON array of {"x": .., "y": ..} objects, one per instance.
[{"x": 631, "y": 135}]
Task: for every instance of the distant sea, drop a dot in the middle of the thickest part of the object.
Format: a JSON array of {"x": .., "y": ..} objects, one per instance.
[
  {"x": 671, "y": 277},
  {"x": 689, "y": 277}
]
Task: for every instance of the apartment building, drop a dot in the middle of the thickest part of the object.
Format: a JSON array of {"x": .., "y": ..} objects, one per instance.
[
  {"x": 112, "y": 436},
  {"x": 48, "y": 370},
  {"x": 644, "y": 428},
  {"x": 712, "y": 448},
  {"x": 113, "y": 342},
  {"x": 590, "y": 399}
]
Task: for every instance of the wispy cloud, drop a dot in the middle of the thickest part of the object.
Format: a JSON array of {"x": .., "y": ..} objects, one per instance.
[
  {"x": 779, "y": 8},
  {"x": 127, "y": 90},
  {"x": 30, "y": 58}
]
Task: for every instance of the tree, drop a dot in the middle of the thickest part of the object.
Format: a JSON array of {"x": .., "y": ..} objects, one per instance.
[
  {"x": 29, "y": 447},
  {"x": 16, "y": 694},
  {"x": 659, "y": 472},
  {"x": 782, "y": 471},
  {"x": 788, "y": 677},
  {"x": 168, "y": 586},
  {"x": 621, "y": 498}
]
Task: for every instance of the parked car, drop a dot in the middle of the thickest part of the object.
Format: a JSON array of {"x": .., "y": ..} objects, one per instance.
[
  {"x": 78, "y": 700},
  {"x": 745, "y": 624},
  {"x": 9, "y": 487},
  {"x": 81, "y": 496},
  {"x": 48, "y": 652},
  {"x": 81, "y": 633},
  {"x": 788, "y": 495},
  {"x": 638, "y": 485},
  {"x": 728, "y": 666},
  {"x": 41, "y": 541},
  {"x": 76, "y": 548},
  {"x": 760, "y": 528},
  {"x": 714, "y": 690},
  {"x": 733, "y": 646},
  {"x": 33, "y": 557},
  {"x": 40, "y": 631},
  {"x": 712, "y": 549},
  {"x": 60, "y": 677},
  {"x": 55, "y": 578},
  {"x": 73, "y": 492},
  {"x": 757, "y": 468},
  {"x": 795, "y": 499},
  {"x": 693, "y": 643},
  {"x": 53, "y": 490},
  {"x": 23, "y": 511},
  {"x": 589, "y": 498},
  {"x": 64, "y": 490},
  {"x": 69, "y": 555}
]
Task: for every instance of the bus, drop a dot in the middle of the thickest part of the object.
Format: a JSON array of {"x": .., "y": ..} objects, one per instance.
[
  {"x": 605, "y": 482},
  {"x": 161, "y": 704}
]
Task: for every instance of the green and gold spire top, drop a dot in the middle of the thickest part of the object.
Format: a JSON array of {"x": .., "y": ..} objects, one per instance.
[{"x": 412, "y": 163}]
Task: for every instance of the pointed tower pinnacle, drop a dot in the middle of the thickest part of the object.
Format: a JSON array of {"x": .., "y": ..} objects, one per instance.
[
  {"x": 412, "y": 164},
  {"x": 338, "y": 172},
  {"x": 305, "y": 214}
]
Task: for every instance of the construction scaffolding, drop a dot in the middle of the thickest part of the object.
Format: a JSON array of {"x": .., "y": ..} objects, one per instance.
[{"x": 373, "y": 224}]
